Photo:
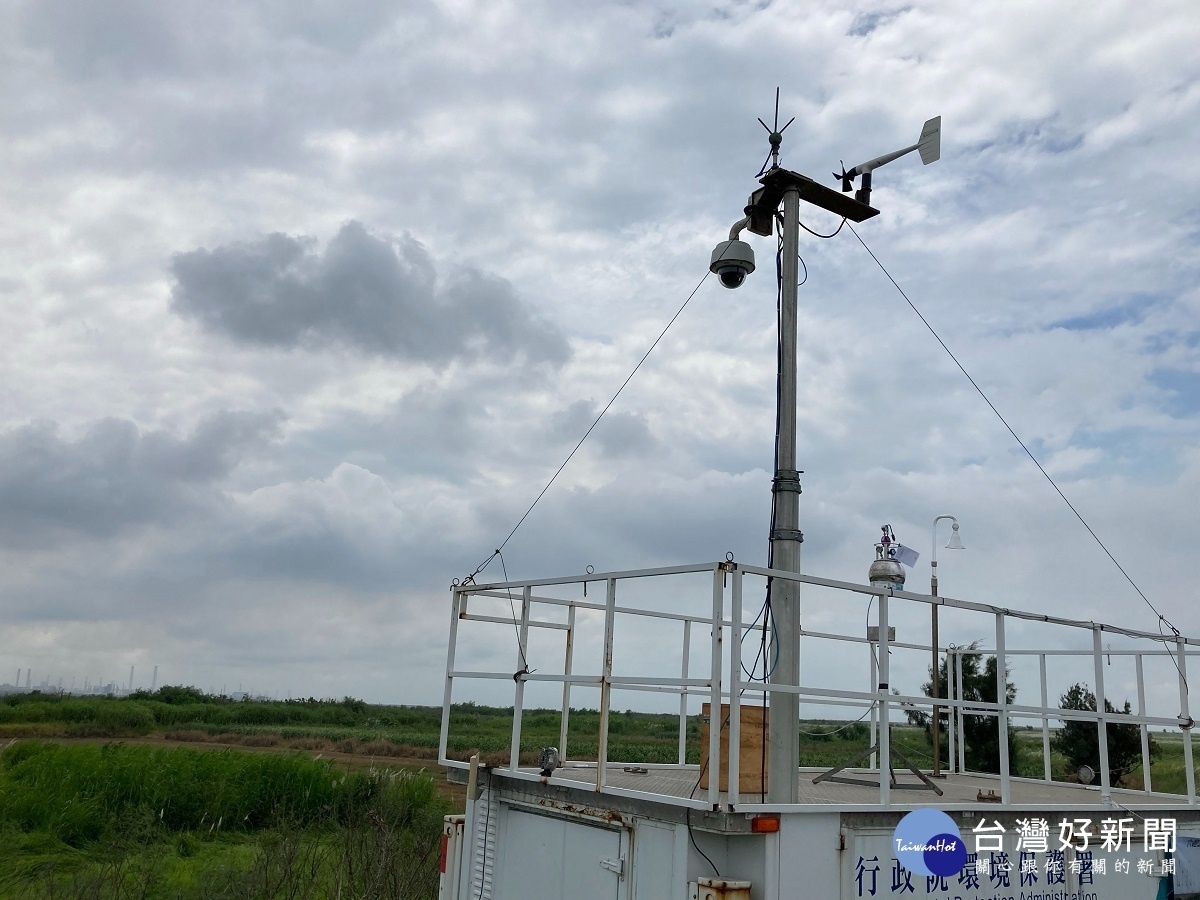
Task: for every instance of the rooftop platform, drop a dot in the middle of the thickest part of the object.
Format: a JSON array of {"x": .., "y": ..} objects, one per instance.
[
  {"x": 683, "y": 638},
  {"x": 960, "y": 791}
]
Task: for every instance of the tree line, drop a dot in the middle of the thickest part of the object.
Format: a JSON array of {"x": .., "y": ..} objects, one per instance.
[{"x": 1077, "y": 740}]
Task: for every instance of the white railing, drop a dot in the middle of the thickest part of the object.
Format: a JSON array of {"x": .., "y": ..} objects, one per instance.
[{"x": 544, "y": 605}]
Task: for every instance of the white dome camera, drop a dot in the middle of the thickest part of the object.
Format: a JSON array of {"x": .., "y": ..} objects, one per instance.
[{"x": 732, "y": 261}]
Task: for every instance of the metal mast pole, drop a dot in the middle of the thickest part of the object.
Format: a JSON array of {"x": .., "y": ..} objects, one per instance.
[
  {"x": 779, "y": 184},
  {"x": 784, "y": 727}
]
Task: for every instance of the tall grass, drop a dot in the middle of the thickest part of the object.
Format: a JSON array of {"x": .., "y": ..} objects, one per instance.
[
  {"x": 120, "y": 821},
  {"x": 75, "y": 793}
]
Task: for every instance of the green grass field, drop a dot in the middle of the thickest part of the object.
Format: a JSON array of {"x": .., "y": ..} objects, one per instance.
[
  {"x": 112, "y": 820},
  {"x": 355, "y": 727},
  {"x": 352, "y": 726},
  {"x": 120, "y": 821}
]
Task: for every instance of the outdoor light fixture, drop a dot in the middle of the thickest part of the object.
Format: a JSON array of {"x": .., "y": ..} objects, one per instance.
[{"x": 955, "y": 542}]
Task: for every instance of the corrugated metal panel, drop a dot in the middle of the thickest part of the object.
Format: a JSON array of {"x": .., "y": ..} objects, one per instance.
[{"x": 486, "y": 824}]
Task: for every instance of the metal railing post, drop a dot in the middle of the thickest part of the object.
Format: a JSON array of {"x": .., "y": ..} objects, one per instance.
[
  {"x": 873, "y": 686},
  {"x": 514, "y": 753},
  {"x": 566, "y": 701},
  {"x": 735, "y": 705},
  {"x": 1045, "y": 719},
  {"x": 1181, "y": 660},
  {"x": 1101, "y": 712},
  {"x": 885, "y": 731},
  {"x": 962, "y": 734},
  {"x": 1002, "y": 717},
  {"x": 1141, "y": 693},
  {"x": 443, "y": 738},
  {"x": 952, "y": 695},
  {"x": 714, "y": 694},
  {"x": 683, "y": 693},
  {"x": 610, "y": 614}
]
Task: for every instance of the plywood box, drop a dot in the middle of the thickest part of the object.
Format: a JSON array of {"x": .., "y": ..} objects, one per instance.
[
  {"x": 753, "y": 724},
  {"x": 719, "y": 889}
]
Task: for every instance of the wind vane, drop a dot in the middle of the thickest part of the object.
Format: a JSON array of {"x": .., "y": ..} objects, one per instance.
[{"x": 929, "y": 144}]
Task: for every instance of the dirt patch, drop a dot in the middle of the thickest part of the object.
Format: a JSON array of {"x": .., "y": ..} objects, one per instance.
[
  {"x": 309, "y": 744},
  {"x": 197, "y": 737}
]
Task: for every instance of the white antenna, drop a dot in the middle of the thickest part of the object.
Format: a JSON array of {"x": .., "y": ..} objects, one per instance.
[{"x": 929, "y": 145}]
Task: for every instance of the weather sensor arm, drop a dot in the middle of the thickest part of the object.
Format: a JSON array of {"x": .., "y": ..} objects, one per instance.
[
  {"x": 867, "y": 167},
  {"x": 929, "y": 145}
]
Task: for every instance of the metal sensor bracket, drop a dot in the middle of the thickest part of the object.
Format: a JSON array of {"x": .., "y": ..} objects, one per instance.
[{"x": 777, "y": 182}]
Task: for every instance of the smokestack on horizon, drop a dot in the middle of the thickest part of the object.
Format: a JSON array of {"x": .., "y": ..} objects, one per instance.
[{"x": 154, "y": 680}]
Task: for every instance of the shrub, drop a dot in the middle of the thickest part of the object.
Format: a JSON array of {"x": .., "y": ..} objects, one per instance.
[
  {"x": 980, "y": 733},
  {"x": 1079, "y": 741}
]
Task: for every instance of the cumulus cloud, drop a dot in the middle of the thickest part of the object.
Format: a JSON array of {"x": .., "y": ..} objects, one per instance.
[
  {"x": 124, "y": 38},
  {"x": 376, "y": 295},
  {"x": 116, "y": 475},
  {"x": 617, "y": 434},
  {"x": 584, "y": 158}
]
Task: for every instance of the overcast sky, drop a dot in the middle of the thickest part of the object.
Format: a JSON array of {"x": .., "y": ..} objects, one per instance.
[{"x": 303, "y": 302}]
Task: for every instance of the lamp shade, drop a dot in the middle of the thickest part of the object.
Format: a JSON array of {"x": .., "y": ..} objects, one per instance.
[{"x": 955, "y": 541}]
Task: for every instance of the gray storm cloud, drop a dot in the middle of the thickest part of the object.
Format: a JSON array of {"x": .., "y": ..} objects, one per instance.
[
  {"x": 116, "y": 475},
  {"x": 618, "y": 434},
  {"x": 592, "y": 154},
  {"x": 375, "y": 295}
]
